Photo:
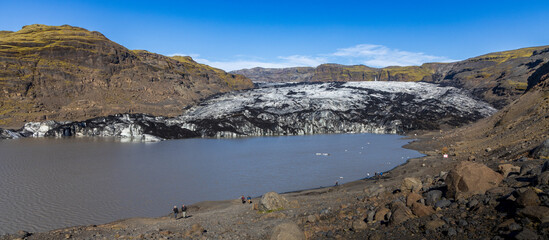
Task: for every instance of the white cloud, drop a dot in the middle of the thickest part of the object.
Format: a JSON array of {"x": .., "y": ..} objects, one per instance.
[
  {"x": 382, "y": 56},
  {"x": 251, "y": 62},
  {"x": 241, "y": 64},
  {"x": 307, "y": 61},
  {"x": 367, "y": 54}
]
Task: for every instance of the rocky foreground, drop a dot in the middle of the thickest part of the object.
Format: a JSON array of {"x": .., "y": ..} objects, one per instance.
[{"x": 289, "y": 109}]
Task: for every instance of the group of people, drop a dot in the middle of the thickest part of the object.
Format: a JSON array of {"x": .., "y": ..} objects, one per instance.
[
  {"x": 183, "y": 211},
  {"x": 249, "y": 199}
]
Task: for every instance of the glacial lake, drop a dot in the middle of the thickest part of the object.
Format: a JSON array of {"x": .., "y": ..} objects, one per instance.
[{"x": 53, "y": 183}]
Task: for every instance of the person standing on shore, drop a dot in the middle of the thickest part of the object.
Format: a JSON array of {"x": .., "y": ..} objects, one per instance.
[
  {"x": 175, "y": 212},
  {"x": 249, "y": 200},
  {"x": 243, "y": 199},
  {"x": 184, "y": 211}
]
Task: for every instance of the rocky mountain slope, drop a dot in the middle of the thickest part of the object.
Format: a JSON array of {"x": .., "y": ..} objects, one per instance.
[
  {"x": 290, "y": 109},
  {"x": 498, "y": 78},
  {"x": 70, "y": 73},
  {"x": 510, "y": 133}
]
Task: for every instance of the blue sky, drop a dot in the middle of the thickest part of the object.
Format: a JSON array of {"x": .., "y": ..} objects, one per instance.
[{"x": 243, "y": 34}]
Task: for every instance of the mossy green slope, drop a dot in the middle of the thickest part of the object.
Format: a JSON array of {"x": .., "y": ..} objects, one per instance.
[{"x": 70, "y": 73}]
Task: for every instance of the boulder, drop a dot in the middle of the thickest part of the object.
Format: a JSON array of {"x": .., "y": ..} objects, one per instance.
[
  {"x": 434, "y": 225},
  {"x": 381, "y": 213},
  {"x": 506, "y": 169},
  {"x": 272, "y": 201},
  {"x": 444, "y": 203},
  {"x": 529, "y": 168},
  {"x": 469, "y": 178},
  {"x": 543, "y": 178},
  {"x": 412, "y": 198},
  {"x": 287, "y": 231},
  {"x": 527, "y": 234},
  {"x": 411, "y": 185},
  {"x": 399, "y": 213},
  {"x": 545, "y": 166},
  {"x": 359, "y": 224},
  {"x": 542, "y": 151},
  {"x": 536, "y": 213},
  {"x": 432, "y": 197},
  {"x": 421, "y": 210},
  {"x": 472, "y": 203},
  {"x": 527, "y": 198}
]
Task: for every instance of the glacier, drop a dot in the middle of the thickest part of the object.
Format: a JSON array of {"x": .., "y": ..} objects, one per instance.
[{"x": 289, "y": 109}]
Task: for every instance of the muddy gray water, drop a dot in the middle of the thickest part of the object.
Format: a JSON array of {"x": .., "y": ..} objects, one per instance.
[{"x": 53, "y": 183}]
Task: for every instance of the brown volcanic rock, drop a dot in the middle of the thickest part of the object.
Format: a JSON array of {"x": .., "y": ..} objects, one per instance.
[
  {"x": 470, "y": 178},
  {"x": 421, "y": 210},
  {"x": 70, "y": 73}
]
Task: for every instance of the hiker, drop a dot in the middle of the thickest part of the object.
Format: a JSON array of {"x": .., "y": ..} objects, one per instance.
[
  {"x": 249, "y": 200},
  {"x": 337, "y": 183},
  {"x": 184, "y": 211},
  {"x": 243, "y": 199},
  {"x": 175, "y": 212}
]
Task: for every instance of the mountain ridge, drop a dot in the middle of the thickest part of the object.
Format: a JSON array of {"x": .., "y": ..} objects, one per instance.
[
  {"x": 498, "y": 78},
  {"x": 70, "y": 73}
]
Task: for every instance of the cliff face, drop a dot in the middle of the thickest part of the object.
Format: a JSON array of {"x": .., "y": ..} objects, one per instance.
[
  {"x": 339, "y": 73},
  {"x": 498, "y": 78},
  {"x": 70, "y": 73}
]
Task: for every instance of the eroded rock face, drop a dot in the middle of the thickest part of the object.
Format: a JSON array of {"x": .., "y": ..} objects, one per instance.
[
  {"x": 470, "y": 178},
  {"x": 293, "y": 109}
]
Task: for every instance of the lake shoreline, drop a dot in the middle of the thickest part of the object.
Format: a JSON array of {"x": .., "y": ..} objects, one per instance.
[
  {"x": 354, "y": 143},
  {"x": 211, "y": 207}
]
